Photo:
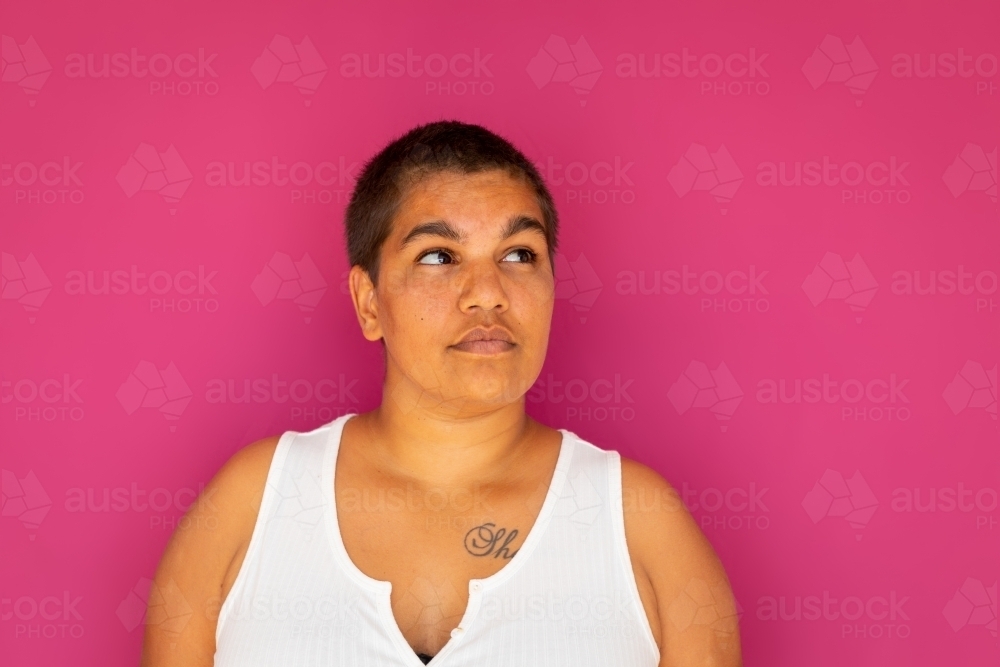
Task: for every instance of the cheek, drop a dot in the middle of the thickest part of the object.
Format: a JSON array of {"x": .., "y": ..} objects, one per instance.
[
  {"x": 421, "y": 306},
  {"x": 532, "y": 304}
]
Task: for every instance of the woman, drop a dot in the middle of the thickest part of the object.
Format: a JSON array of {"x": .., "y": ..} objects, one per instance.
[{"x": 445, "y": 526}]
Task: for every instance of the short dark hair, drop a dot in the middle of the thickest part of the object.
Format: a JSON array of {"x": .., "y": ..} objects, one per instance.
[{"x": 441, "y": 146}]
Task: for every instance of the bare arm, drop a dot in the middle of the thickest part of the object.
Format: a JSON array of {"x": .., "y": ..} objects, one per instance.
[
  {"x": 681, "y": 581},
  {"x": 201, "y": 561}
]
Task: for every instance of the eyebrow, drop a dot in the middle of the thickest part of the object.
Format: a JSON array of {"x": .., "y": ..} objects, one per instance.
[{"x": 517, "y": 223}]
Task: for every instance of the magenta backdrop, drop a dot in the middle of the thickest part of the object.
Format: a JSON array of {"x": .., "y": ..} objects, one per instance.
[{"x": 777, "y": 283}]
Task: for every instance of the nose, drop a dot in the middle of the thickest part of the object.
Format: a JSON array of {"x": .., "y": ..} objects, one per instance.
[{"x": 482, "y": 287}]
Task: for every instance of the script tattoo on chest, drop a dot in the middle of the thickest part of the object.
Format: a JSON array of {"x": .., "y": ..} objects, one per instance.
[{"x": 488, "y": 540}]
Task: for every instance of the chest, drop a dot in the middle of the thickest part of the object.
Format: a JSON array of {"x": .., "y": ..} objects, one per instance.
[{"x": 430, "y": 542}]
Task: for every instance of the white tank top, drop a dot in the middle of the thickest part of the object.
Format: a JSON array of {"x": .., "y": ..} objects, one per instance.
[{"x": 567, "y": 596}]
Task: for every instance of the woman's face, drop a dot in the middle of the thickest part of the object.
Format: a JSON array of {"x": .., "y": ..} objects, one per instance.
[{"x": 466, "y": 252}]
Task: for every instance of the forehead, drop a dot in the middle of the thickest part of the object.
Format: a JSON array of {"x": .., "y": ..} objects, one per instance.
[{"x": 484, "y": 197}]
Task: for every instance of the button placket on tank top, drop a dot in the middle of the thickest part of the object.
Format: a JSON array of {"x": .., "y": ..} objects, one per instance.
[{"x": 475, "y": 601}]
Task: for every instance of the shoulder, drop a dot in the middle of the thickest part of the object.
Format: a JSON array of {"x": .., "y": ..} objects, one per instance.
[
  {"x": 656, "y": 520},
  {"x": 223, "y": 515},
  {"x": 231, "y": 500},
  {"x": 241, "y": 479},
  {"x": 203, "y": 555},
  {"x": 694, "y": 606}
]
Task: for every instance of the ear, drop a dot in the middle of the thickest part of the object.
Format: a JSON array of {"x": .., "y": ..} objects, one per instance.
[{"x": 365, "y": 301}]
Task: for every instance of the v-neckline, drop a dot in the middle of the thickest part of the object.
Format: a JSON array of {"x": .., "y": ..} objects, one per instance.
[{"x": 383, "y": 589}]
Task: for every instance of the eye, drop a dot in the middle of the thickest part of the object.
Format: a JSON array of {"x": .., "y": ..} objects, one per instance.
[
  {"x": 526, "y": 256},
  {"x": 436, "y": 257}
]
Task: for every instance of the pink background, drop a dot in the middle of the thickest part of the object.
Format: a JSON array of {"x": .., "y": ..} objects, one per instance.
[{"x": 112, "y": 393}]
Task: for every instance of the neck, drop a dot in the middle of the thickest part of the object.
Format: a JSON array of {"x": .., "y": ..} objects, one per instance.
[{"x": 444, "y": 442}]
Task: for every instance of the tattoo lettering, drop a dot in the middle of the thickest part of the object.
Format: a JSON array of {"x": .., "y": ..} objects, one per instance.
[{"x": 487, "y": 539}]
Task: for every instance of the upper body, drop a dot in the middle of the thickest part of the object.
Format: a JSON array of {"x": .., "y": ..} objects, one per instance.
[{"x": 460, "y": 292}]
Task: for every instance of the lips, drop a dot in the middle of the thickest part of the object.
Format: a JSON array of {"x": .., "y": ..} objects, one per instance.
[{"x": 486, "y": 341}]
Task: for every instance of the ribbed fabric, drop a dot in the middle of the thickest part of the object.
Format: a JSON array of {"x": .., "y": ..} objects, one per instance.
[{"x": 567, "y": 597}]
